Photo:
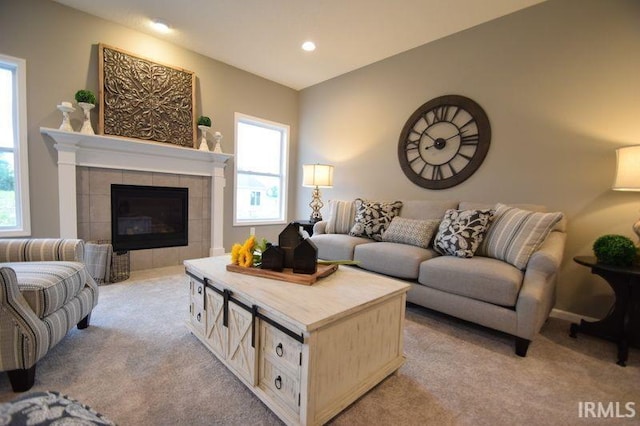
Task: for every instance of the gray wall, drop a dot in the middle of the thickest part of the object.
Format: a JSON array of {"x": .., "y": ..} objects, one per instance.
[
  {"x": 60, "y": 47},
  {"x": 560, "y": 82}
]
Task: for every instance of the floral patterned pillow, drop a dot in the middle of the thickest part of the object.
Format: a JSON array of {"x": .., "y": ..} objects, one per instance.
[
  {"x": 461, "y": 232},
  {"x": 373, "y": 218}
]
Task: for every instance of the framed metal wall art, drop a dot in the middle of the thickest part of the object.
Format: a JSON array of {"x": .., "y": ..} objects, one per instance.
[{"x": 146, "y": 100}]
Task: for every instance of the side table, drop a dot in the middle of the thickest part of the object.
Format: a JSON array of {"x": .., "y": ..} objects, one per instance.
[{"x": 622, "y": 323}]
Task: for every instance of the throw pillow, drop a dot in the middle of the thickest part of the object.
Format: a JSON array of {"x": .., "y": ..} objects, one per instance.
[
  {"x": 516, "y": 233},
  {"x": 461, "y": 232},
  {"x": 373, "y": 217},
  {"x": 341, "y": 215},
  {"x": 410, "y": 231}
]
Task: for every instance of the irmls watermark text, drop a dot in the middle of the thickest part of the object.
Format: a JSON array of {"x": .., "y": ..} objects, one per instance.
[{"x": 606, "y": 410}]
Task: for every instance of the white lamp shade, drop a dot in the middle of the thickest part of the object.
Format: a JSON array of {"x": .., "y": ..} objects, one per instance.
[
  {"x": 627, "y": 169},
  {"x": 320, "y": 175}
]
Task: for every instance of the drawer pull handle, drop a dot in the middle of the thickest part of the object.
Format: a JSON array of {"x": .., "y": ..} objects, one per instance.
[
  {"x": 279, "y": 350},
  {"x": 278, "y": 382},
  {"x": 199, "y": 290},
  {"x": 198, "y": 317}
]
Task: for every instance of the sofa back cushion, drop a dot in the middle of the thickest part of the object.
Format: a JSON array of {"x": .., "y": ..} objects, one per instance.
[
  {"x": 426, "y": 209},
  {"x": 515, "y": 234},
  {"x": 341, "y": 216}
]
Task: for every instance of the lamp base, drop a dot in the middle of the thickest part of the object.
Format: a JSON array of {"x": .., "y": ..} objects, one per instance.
[{"x": 315, "y": 204}]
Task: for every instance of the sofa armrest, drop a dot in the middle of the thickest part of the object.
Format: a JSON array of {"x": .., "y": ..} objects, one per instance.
[
  {"x": 41, "y": 249},
  {"x": 537, "y": 295},
  {"x": 320, "y": 227},
  {"x": 25, "y": 338}
]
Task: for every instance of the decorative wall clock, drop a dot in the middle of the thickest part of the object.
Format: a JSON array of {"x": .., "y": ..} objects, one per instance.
[{"x": 444, "y": 142}]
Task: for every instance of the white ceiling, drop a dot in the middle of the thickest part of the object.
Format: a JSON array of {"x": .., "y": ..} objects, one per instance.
[{"x": 264, "y": 36}]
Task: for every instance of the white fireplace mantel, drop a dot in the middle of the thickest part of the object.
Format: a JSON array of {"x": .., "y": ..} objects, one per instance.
[{"x": 79, "y": 149}]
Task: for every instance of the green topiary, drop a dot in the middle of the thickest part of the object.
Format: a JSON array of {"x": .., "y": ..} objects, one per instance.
[
  {"x": 616, "y": 250},
  {"x": 204, "y": 121},
  {"x": 85, "y": 96}
]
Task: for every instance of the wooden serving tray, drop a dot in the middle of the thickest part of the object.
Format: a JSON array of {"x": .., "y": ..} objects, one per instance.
[{"x": 287, "y": 274}]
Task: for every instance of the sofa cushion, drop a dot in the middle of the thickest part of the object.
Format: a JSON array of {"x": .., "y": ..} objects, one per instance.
[
  {"x": 426, "y": 209},
  {"x": 373, "y": 217},
  {"x": 481, "y": 278},
  {"x": 516, "y": 233},
  {"x": 397, "y": 260},
  {"x": 47, "y": 286},
  {"x": 461, "y": 232},
  {"x": 341, "y": 216},
  {"x": 414, "y": 232},
  {"x": 337, "y": 246}
]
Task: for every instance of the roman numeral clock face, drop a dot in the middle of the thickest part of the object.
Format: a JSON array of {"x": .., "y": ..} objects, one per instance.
[{"x": 444, "y": 142}]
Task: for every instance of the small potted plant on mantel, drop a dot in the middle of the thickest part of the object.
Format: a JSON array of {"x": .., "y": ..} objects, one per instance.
[
  {"x": 87, "y": 101},
  {"x": 204, "y": 124}
]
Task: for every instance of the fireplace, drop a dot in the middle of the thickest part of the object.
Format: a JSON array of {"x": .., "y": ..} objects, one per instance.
[{"x": 144, "y": 217}]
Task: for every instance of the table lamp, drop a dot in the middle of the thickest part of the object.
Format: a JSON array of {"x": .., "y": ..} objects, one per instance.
[
  {"x": 317, "y": 176},
  {"x": 628, "y": 174}
]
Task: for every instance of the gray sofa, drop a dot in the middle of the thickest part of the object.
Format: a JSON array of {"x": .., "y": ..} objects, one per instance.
[{"x": 482, "y": 289}]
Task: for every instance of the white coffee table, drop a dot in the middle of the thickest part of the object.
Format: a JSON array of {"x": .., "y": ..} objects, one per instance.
[{"x": 306, "y": 351}]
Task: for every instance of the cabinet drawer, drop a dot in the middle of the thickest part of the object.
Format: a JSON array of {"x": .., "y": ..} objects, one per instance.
[
  {"x": 280, "y": 348},
  {"x": 280, "y": 383},
  {"x": 196, "y": 292},
  {"x": 197, "y": 315}
]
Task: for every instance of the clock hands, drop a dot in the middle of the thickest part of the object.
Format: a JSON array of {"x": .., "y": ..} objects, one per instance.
[{"x": 440, "y": 143}]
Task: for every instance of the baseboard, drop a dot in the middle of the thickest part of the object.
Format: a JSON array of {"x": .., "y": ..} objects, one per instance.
[{"x": 570, "y": 316}]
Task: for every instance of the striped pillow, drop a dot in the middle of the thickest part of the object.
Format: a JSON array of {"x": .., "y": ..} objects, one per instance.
[
  {"x": 515, "y": 234},
  {"x": 341, "y": 217}
]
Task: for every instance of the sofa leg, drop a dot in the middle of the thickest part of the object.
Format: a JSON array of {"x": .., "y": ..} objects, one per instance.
[
  {"x": 84, "y": 322},
  {"x": 521, "y": 346},
  {"x": 22, "y": 379}
]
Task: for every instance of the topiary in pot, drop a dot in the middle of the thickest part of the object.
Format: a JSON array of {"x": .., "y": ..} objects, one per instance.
[
  {"x": 616, "y": 250},
  {"x": 204, "y": 121},
  {"x": 85, "y": 96}
]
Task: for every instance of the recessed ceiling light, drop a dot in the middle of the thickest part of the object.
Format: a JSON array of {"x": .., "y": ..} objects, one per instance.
[
  {"x": 160, "y": 26},
  {"x": 309, "y": 46}
]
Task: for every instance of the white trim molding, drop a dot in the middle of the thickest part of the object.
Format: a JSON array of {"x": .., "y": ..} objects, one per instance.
[{"x": 110, "y": 152}]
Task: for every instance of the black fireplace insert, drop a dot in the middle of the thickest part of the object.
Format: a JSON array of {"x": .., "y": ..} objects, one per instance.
[{"x": 144, "y": 217}]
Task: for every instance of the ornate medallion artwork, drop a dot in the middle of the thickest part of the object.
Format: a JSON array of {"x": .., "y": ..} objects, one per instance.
[{"x": 145, "y": 100}]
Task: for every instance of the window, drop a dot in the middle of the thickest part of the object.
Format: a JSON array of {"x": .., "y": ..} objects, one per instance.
[
  {"x": 260, "y": 171},
  {"x": 14, "y": 174}
]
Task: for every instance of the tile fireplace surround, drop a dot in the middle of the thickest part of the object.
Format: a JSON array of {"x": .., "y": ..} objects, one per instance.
[{"x": 88, "y": 164}]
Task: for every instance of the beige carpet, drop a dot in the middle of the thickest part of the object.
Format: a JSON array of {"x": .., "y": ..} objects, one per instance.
[{"x": 138, "y": 365}]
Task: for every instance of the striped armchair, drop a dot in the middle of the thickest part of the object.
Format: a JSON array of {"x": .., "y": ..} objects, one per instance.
[{"x": 46, "y": 291}]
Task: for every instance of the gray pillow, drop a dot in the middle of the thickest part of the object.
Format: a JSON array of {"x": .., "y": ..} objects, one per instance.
[
  {"x": 516, "y": 233},
  {"x": 341, "y": 214},
  {"x": 411, "y": 231}
]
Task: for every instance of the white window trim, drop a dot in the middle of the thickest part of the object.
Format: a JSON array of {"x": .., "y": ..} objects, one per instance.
[
  {"x": 23, "y": 213},
  {"x": 285, "y": 164}
]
